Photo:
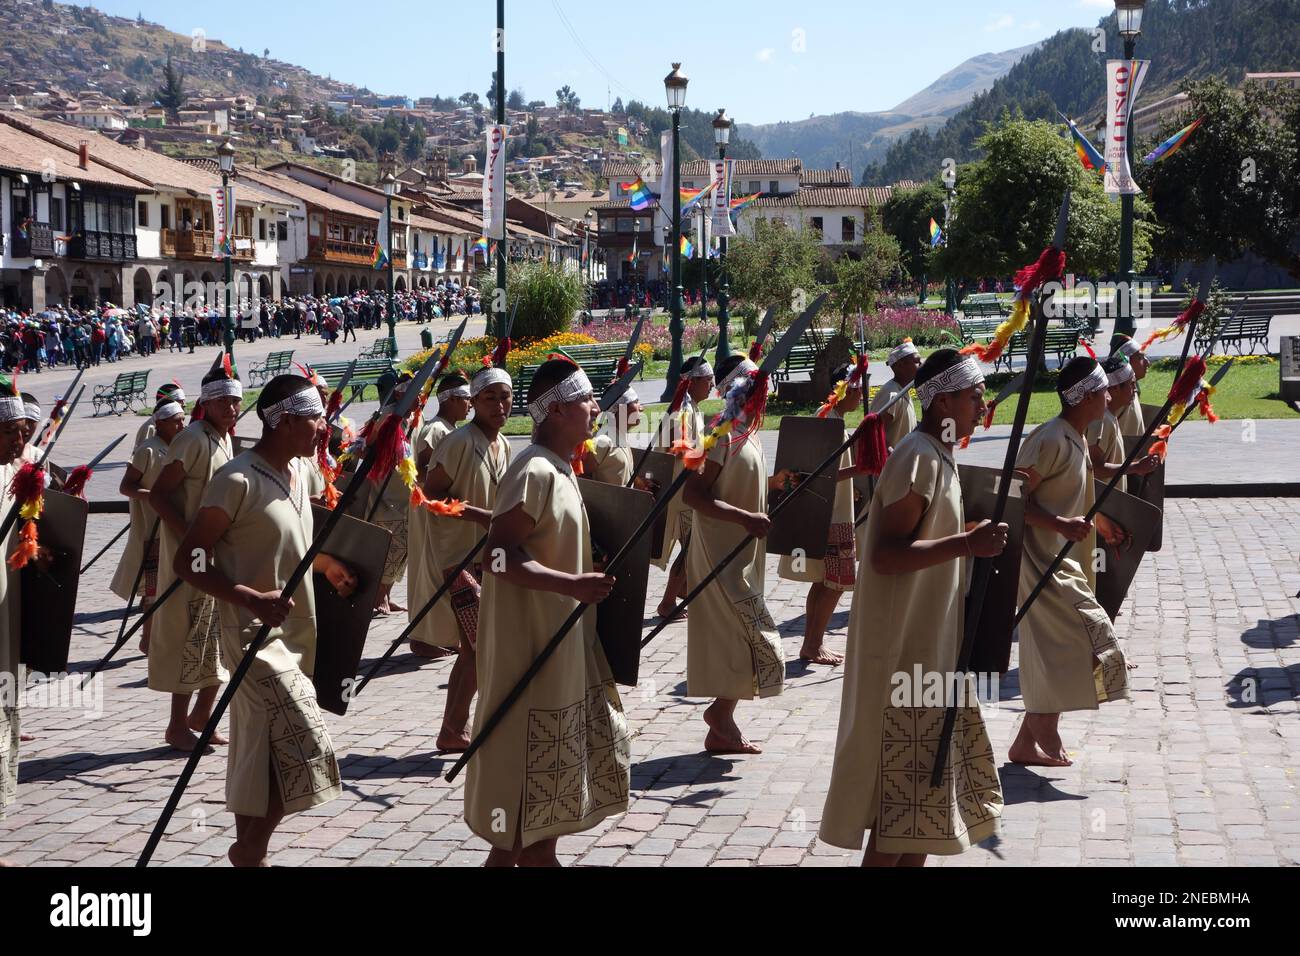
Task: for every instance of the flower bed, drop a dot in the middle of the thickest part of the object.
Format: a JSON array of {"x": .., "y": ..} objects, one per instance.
[
  {"x": 470, "y": 353},
  {"x": 889, "y": 326}
]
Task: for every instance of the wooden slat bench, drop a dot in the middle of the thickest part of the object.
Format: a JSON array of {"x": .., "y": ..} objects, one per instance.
[
  {"x": 1061, "y": 341},
  {"x": 367, "y": 373},
  {"x": 601, "y": 373},
  {"x": 601, "y": 351},
  {"x": 277, "y": 363},
  {"x": 127, "y": 390},
  {"x": 377, "y": 350}
]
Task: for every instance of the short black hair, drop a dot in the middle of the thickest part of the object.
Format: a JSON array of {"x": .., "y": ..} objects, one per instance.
[
  {"x": 726, "y": 367},
  {"x": 1114, "y": 363},
  {"x": 692, "y": 363},
  {"x": 840, "y": 373},
  {"x": 1074, "y": 372},
  {"x": 450, "y": 380},
  {"x": 219, "y": 375}
]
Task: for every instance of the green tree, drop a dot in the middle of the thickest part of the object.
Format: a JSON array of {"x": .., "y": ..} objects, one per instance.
[
  {"x": 171, "y": 95},
  {"x": 1235, "y": 186},
  {"x": 1006, "y": 205},
  {"x": 618, "y": 106},
  {"x": 774, "y": 264},
  {"x": 861, "y": 276},
  {"x": 515, "y": 100},
  {"x": 469, "y": 99},
  {"x": 492, "y": 91},
  {"x": 566, "y": 99},
  {"x": 906, "y": 216}
]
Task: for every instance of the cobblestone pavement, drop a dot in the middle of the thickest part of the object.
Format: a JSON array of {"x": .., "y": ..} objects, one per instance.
[{"x": 1199, "y": 767}]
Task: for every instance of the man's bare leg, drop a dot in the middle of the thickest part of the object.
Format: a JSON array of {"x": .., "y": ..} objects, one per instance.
[
  {"x": 676, "y": 586},
  {"x": 148, "y": 629},
  {"x": 178, "y": 733},
  {"x": 1038, "y": 744},
  {"x": 461, "y": 687},
  {"x": 724, "y": 737},
  {"x": 817, "y": 617},
  {"x": 540, "y": 854},
  {"x": 254, "y": 838},
  {"x": 381, "y": 600},
  {"x": 202, "y": 713}
]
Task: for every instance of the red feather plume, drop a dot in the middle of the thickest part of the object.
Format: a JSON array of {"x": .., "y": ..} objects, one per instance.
[
  {"x": 388, "y": 439},
  {"x": 77, "y": 480},
  {"x": 1188, "y": 381},
  {"x": 870, "y": 448},
  {"x": 1049, "y": 267}
]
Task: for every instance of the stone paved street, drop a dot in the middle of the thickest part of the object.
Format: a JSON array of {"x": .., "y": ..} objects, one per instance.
[{"x": 1199, "y": 767}]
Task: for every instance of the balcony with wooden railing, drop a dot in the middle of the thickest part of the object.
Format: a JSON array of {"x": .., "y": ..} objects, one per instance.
[
  {"x": 102, "y": 246},
  {"x": 342, "y": 252},
  {"x": 31, "y": 239},
  {"x": 198, "y": 244}
]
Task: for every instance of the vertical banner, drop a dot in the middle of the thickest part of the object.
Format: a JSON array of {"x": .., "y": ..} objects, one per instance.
[
  {"x": 720, "y": 199},
  {"x": 494, "y": 183},
  {"x": 667, "y": 183},
  {"x": 223, "y": 202},
  {"x": 1123, "y": 83}
]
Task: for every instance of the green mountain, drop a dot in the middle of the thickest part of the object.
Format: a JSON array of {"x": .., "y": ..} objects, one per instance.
[
  {"x": 1183, "y": 39},
  {"x": 857, "y": 139}
]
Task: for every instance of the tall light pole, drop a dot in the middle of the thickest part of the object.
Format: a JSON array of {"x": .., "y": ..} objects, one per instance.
[
  {"x": 390, "y": 190},
  {"x": 1128, "y": 14},
  {"x": 950, "y": 286},
  {"x": 591, "y": 219},
  {"x": 499, "y": 300},
  {"x": 722, "y": 136},
  {"x": 675, "y": 87},
  {"x": 226, "y": 160}
]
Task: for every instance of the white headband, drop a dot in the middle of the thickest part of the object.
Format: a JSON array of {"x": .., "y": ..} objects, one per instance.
[
  {"x": 744, "y": 368},
  {"x": 176, "y": 395},
  {"x": 1121, "y": 375},
  {"x": 305, "y": 403},
  {"x": 1128, "y": 349},
  {"x": 456, "y": 391},
  {"x": 487, "y": 378},
  {"x": 703, "y": 370},
  {"x": 222, "y": 388},
  {"x": 571, "y": 389},
  {"x": 32, "y": 411},
  {"x": 11, "y": 407},
  {"x": 901, "y": 352},
  {"x": 962, "y": 375},
  {"x": 1094, "y": 381},
  {"x": 628, "y": 397},
  {"x": 170, "y": 410}
]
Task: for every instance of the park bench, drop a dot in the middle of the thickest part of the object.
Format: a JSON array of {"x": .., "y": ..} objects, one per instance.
[
  {"x": 1061, "y": 341},
  {"x": 600, "y": 372},
  {"x": 601, "y": 351},
  {"x": 1237, "y": 331},
  {"x": 379, "y": 349},
  {"x": 127, "y": 390},
  {"x": 367, "y": 373},
  {"x": 277, "y": 363},
  {"x": 974, "y": 330}
]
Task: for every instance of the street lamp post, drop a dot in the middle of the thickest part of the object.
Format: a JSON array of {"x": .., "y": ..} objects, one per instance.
[
  {"x": 1128, "y": 14},
  {"x": 390, "y": 190},
  {"x": 226, "y": 160},
  {"x": 591, "y": 220},
  {"x": 950, "y": 286},
  {"x": 675, "y": 88},
  {"x": 722, "y": 136}
]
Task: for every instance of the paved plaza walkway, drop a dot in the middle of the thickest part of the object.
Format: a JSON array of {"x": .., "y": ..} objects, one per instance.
[{"x": 1199, "y": 767}]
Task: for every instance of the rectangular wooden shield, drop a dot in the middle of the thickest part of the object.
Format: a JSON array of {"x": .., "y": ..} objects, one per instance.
[
  {"x": 979, "y": 490},
  {"x": 1139, "y": 518},
  {"x": 802, "y": 444},
  {"x": 1150, "y": 488},
  {"x": 659, "y": 467},
  {"x": 343, "y": 623},
  {"x": 49, "y": 598},
  {"x": 242, "y": 443},
  {"x": 614, "y": 513}
]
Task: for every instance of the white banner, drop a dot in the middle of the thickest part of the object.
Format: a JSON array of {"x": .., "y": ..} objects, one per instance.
[
  {"x": 720, "y": 200},
  {"x": 494, "y": 183},
  {"x": 667, "y": 183},
  {"x": 223, "y": 199},
  {"x": 1123, "y": 83}
]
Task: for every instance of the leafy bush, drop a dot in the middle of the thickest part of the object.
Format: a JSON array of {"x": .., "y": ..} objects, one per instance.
[{"x": 547, "y": 298}]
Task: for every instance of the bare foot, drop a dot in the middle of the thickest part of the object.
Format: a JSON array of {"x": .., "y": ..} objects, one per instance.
[
  {"x": 244, "y": 858},
  {"x": 181, "y": 738},
  {"x": 197, "y": 725},
  {"x": 724, "y": 737},
  {"x": 432, "y": 651},
  {"x": 144, "y": 645},
  {"x": 820, "y": 655},
  {"x": 395, "y": 607},
  {"x": 1033, "y": 756},
  {"x": 666, "y": 613},
  {"x": 26, "y": 738},
  {"x": 6, "y": 864},
  {"x": 452, "y": 741}
]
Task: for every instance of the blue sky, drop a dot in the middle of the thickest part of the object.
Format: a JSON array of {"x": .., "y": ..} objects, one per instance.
[{"x": 763, "y": 60}]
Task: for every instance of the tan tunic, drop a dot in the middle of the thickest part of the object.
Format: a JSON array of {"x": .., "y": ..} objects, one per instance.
[
  {"x": 147, "y": 459},
  {"x": 679, "y": 519},
  {"x": 393, "y": 515},
  {"x": 184, "y": 649},
  {"x": 838, "y": 570},
  {"x": 11, "y": 673},
  {"x": 733, "y": 648},
  {"x": 559, "y": 761},
  {"x": 476, "y": 467},
  {"x": 902, "y": 422},
  {"x": 614, "y": 462},
  {"x": 1105, "y": 432},
  {"x": 1130, "y": 418},
  {"x": 146, "y": 431},
  {"x": 902, "y": 625},
  {"x": 1069, "y": 659},
  {"x": 277, "y": 733},
  {"x": 423, "y": 568}
]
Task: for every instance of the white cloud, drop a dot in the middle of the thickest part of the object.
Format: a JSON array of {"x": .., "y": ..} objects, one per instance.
[
  {"x": 765, "y": 55},
  {"x": 1001, "y": 23}
]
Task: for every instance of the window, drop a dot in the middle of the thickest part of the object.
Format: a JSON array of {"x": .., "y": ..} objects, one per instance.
[
  {"x": 774, "y": 187},
  {"x": 755, "y": 186},
  {"x": 142, "y": 214},
  {"x": 817, "y": 224},
  {"x": 282, "y": 231},
  {"x": 848, "y": 229},
  {"x": 56, "y": 212},
  {"x": 165, "y": 216},
  {"x": 261, "y": 229}
]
